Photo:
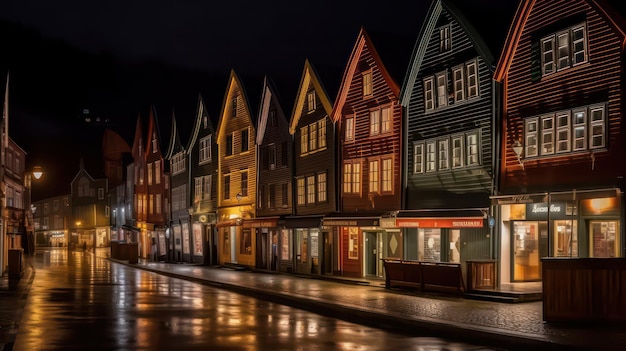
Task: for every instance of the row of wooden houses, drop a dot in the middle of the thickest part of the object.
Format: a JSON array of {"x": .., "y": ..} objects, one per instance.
[{"x": 501, "y": 140}]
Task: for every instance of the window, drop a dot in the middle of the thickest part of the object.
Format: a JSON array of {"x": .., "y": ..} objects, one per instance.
[
  {"x": 304, "y": 139},
  {"x": 100, "y": 193},
  {"x": 429, "y": 95},
  {"x": 352, "y": 178},
  {"x": 564, "y": 49},
  {"x": 151, "y": 204},
  {"x": 579, "y": 129},
  {"x": 261, "y": 197},
  {"x": 244, "y": 183},
  {"x": 458, "y": 82},
  {"x": 312, "y": 136},
  {"x": 244, "y": 140},
  {"x": 349, "y": 128},
  {"x": 154, "y": 143},
  {"x": 300, "y": 191},
  {"x": 472, "y": 79},
  {"x": 547, "y": 133},
  {"x": 373, "y": 175},
  {"x": 205, "y": 149},
  {"x": 321, "y": 133},
  {"x": 471, "y": 146},
  {"x": 234, "y": 107},
  {"x": 178, "y": 163},
  {"x": 430, "y": 156},
  {"x": 270, "y": 157},
  {"x": 375, "y": 122},
  {"x": 418, "y": 158},
  {"x": 444, "y": 39},
  {"x": 443, "y": 154},
  {"x": 310, "y": 189},
  {"x": 321, "y": 187},
  {"x": 157, "y": 171},
  {"x": 442, "y": 89},
  {"x": 310, "y": 98},
  {"x": 202, "y": 188},
  {"x": 158, "y": 203},
  {"x": 367, "y": 83},
  {"x": 229, "y": 144},
  {"x": 457, "y": 152},
  {"x": 387, "y": 182},
  {"x": 227, "y": 187},
  {"x": 285, "y": 194},
  {"x": 380, "y": 121},
  {"x": 150, "y": 172},
  {"x": 271, "y": 201}
]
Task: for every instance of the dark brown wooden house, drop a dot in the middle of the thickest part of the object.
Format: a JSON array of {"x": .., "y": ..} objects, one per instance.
[
  {"x": 313, "y": 133},
  {"x": 369, "y": 119},
  {"x": 275, "y": 176},
  {"x": 563, "y": 146}
]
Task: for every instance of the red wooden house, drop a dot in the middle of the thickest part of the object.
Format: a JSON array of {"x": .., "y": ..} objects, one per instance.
[
  {"x": 368, "y": 116},
  {"x": 563, "y": 135}
]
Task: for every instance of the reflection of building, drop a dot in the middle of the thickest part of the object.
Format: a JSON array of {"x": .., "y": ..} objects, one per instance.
[{"x": 51, "y": 221}]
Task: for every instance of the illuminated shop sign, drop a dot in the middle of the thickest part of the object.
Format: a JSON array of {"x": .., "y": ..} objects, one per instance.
[
  {"x": 556, "y": 210},
  {"x": 455, "y": 222}
]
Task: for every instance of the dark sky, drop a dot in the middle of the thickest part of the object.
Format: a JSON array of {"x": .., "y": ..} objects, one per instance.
[{"x": 200, "y": 40}]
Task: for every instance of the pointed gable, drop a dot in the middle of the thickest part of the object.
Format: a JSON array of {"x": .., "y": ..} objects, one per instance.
[
  {"x": 269, "y": 100},
  {"x": 175, "y": 145},
  {"x": 202, "y": 121},
  {"x": 522, "y": 15},
  {"x": 234, "y": 90},
  {"x": 153, "y": 144},
  {"x": 138, "y": 144},
  {"x": 362, "y": 46},
  {"x": 309, "y": 78}
]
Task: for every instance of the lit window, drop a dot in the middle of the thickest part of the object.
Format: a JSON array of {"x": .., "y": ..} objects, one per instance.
[
  {"x": 350, "y": 129},
  {"x": 367, "y": 83},
  {"x": 300, "y": 190},
  {"x": 310, "y": 97},
  {"x": 373, "y": 175},
  {"x": 321, "y": 187},
  {"x": 387, "y": 182},
  {"x": 310, "y": 189},
  {"x": 321, "y": 133},
  {"x": 304, "y": 140},
  {"x": 471, "y": 147}
]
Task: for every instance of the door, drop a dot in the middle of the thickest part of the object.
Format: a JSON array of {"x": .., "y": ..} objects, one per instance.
[
  {"x": 262, "y": 248},
  {"x": 302, "y": 258},
  {"x": 371, "y": 254},
  {"x": 327, "y": 253}
]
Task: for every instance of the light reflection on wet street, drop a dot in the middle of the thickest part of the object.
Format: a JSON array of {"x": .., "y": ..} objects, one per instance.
[{"x": 81, "y": 302}]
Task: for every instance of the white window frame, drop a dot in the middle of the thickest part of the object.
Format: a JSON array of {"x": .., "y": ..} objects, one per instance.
[
  {"x": 531, "y": 133},
  {"x": 445, "y": 39},
  {"x": 204, "y": 150},
  {"x": 457, "y": 150},
  {"x": 458, "y": 82},
  {"x": 471, "y": 69},
  {"x": 472, "y": 149},
  {"x": 547, "y": 135},
  {"x": 597, "y": 127},
  {"x": 442, "y": 89},
  {"x": 431, "y": 156},
  {"x": 418, "y": 158},
  {"x": 429, "y": 93},
  {"x": 443, "y": 154},
  {"x": 562, "y": 122},
  {"x": 564, "y": 49},
  {"x": 579, "y": 125}
]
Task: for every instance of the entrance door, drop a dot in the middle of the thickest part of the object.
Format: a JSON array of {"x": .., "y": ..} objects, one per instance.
[
  {"x": 371, "y": 254},
  {"x": 303, "y": 261}
]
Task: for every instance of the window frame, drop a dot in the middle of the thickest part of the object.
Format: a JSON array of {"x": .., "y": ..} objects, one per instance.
[{"x": 368, "y": 83}]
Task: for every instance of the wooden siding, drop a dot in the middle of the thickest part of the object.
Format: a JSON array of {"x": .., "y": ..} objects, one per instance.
[
  {"x": 598, "y": 80},
  {"x": 314, "y": 162},
  {"x": 238, "y": 161},
  {"x": 281, "y": 174},
  {"x": 458, "y": 187},
  {"x": 364, "y": 146}
]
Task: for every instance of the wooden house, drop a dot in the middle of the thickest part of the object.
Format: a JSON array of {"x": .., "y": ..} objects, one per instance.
[
  {"x": 368, "y": 114},
  {"x": 203, "y": 157},
  {"x": 314, "y": 148},
  {"x": 563, "y": 140},
  {"x": 451, "y": 124},
  {"x": 236, "y": 136},
  {"x": 275, "y": 176}
]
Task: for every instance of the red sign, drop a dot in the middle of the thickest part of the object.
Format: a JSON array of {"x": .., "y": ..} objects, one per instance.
[{"x": 443, "y": 222}]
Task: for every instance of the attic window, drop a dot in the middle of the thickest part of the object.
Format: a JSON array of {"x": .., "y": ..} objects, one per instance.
[
  {"x": 234, "y": 107},
  {"x": 444, "y": 39},
  {"x": 367, "y": 83},
  {"x": 310, "y": 101},
  {"x": 564, "y": 49},
  {"x": 154, "y": 143}
]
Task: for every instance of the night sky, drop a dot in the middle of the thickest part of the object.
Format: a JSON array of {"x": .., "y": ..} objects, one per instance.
[{"x": 117, "y": 57}]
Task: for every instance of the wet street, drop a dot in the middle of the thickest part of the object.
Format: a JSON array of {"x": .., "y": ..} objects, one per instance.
[{"x": 81, "y": 302}]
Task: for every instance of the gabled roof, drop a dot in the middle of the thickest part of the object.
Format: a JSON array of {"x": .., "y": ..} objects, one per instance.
[
  {"x": 201, "y": 112},
  {"x": 175, "y": 145},
  {"x": 521, "y": 16},
  {"x": 487, "y": 42},
  {"x": 153, "y": 127},
  {"x": 309, "y": 76},
  {"x": 234, "y": 80},
  {"x": 269, "y": 93},
  {"x": 363, "y": 40},
  {"x": 138, "y": 140}
]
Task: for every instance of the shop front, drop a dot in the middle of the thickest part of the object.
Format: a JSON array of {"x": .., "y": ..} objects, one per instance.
[
  {"x": 265, "y": 231},
  {"x": 362, "y": 244},
  {"x": 299, "y": 246},
  {"x": 571, "y": 224}
]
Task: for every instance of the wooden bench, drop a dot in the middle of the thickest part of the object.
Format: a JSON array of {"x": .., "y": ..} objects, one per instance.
[{"x": 423, "y": 275}]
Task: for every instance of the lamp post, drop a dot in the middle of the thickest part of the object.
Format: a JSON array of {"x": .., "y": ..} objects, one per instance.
[{"x": 30, "y": 209}]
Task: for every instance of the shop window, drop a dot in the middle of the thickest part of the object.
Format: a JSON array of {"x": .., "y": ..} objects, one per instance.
[{"x": 604, "y": 239}]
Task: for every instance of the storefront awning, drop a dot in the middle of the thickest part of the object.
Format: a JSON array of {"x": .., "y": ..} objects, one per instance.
[
  {"x": 265, "y": 222},
  {"x": 229, "y": 223},
  {"x": 441, "y": 218},
  {"x": 352, "y": 220},
  {"x": 572, "y": 195}
]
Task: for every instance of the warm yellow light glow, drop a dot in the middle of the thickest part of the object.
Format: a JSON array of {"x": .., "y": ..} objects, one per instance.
[
  {"x": 601, "y": 205},
  {"x": 37, "y": 172}
]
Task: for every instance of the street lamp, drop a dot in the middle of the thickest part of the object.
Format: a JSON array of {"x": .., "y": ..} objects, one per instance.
[
  {"x": 37, "y": 172},
  {"x": 517, "y": 149}
]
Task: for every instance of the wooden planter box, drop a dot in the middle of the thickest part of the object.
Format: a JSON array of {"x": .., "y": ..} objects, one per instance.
[
  {"x": 584, "y": 289},
  {"x": 424, "y": 275}
]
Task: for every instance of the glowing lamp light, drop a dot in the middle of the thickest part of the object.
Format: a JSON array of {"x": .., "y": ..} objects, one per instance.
[{"x": 37, "y": 172}]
